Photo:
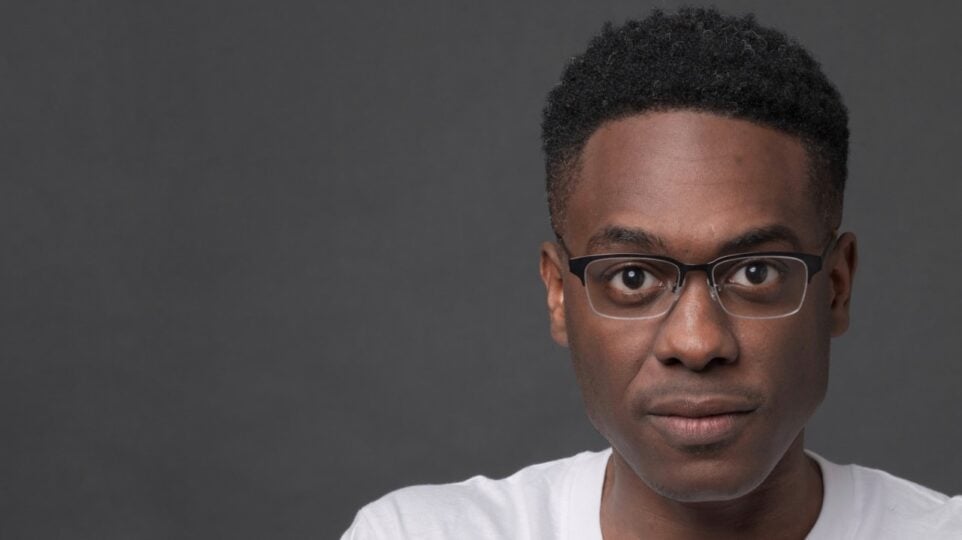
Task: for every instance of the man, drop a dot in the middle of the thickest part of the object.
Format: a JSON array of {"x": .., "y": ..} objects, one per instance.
[{"x": 696, "y": 165}]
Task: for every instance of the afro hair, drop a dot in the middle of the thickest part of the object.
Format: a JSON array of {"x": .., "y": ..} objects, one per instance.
[{"x": 696, "y": 59}]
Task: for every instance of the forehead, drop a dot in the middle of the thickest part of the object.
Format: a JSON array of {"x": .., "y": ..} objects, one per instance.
[{"x": 693, "y": 179}]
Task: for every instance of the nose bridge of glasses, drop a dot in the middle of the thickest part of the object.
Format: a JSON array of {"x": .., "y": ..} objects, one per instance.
[{"x": 683, "y": 271}]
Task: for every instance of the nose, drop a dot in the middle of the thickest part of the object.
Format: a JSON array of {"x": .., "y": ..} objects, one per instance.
[{"x": 696, "y": 332}]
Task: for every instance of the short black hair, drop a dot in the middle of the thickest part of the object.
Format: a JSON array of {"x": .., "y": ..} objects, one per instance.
[{"x": 696, "y": 59}]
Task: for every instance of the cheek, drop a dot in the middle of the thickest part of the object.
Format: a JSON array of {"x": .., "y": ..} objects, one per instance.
[
  {"x": 607, "y": 355},
  {"x": 794, "y": 354}
]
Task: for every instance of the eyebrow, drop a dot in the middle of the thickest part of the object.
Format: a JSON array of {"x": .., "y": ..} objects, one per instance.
[
  {"x": 645, "y": 242},
  {"x": 761, "y": 235},
  {"x": 612, "y": 236}
]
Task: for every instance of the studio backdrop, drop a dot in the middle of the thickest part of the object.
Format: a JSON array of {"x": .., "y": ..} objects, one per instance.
[{"x": 264, "y": 262}]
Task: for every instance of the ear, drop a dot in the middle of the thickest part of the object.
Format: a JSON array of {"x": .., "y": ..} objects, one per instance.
[
  {"x": 552, "y": 274},
  {"x": 843, "y": 262}
]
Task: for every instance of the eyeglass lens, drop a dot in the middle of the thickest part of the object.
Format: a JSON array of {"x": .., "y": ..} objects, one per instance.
[{"x": 748, "y": 287}]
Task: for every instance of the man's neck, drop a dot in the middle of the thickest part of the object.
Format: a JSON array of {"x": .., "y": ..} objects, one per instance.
[{"x": 785, "y": 505}]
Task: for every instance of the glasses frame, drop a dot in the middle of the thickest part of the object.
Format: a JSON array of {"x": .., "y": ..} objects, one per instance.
[{"x": 813, "y": 264}]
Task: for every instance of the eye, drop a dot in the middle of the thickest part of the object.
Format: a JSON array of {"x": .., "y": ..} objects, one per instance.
[
  {"x": 754, "y": 273},
  {"x": 631, "y": 278}
]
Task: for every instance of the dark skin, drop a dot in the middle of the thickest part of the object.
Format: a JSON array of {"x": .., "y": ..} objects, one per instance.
[{"x": 695, "y": 186}]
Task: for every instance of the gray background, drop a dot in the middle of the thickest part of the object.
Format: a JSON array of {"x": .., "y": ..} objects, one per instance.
[{"x": 264, "y": 262}]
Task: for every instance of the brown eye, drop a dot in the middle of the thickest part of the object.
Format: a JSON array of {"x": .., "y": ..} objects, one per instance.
[
  {"x": 632, "y": 278},
  {"x": 754, "y": 273}
]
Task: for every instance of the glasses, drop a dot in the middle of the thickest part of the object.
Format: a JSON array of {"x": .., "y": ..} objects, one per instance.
[{"x": 764, "y": 285}]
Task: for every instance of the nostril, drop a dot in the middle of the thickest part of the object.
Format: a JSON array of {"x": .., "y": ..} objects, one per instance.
[
  {"x": 698, "y": 366},
  {"x": 715, "y": 363},
  {"x": 672, "y": 361}
]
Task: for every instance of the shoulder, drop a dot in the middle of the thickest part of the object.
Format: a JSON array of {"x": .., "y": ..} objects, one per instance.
[
  {"x": 902, "y": 506},
  {"x": 886, "y": 506},
  {"x": 530, "y": 500}
]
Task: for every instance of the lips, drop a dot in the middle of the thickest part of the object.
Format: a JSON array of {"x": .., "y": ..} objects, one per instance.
[
  {"x": 687, "y": 422},
  {"x": 697, "y": 407}
]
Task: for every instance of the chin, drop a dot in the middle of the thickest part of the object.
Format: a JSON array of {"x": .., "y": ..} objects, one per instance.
[
  {"x": 703, "y": 490},
  {"x": 705, "y": 480}
]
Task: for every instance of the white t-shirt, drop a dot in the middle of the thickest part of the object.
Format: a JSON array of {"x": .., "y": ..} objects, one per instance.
[{"x": 562, "y": 499}]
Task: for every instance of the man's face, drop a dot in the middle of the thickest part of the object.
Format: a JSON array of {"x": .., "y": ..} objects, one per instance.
[{"x": 685, "y": 184}]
